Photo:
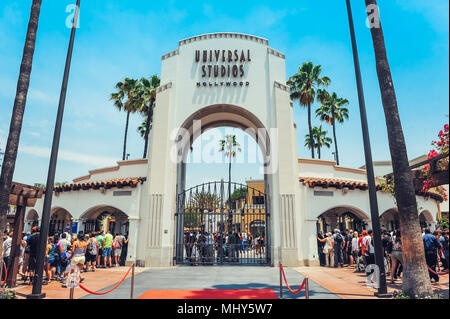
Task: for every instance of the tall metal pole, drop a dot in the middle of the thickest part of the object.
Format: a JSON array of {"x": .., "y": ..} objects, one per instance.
[
  {"x": 379, "y": 257},
  {"x": 37, "y": 280}
]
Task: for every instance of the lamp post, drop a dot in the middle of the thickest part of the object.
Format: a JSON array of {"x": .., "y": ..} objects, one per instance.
[
  {"x": 379, "y": 257},
  {"x": 37, "y": 280}
]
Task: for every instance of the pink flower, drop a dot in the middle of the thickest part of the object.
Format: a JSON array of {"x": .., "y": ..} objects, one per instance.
[{"x": 432, "y": 153}]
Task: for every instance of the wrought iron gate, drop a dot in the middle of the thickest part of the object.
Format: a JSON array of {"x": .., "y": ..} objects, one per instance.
[{"x": 216, "y": 228}]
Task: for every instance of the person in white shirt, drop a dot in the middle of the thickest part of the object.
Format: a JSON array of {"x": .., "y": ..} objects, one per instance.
[{"x": 369, "y": 249}]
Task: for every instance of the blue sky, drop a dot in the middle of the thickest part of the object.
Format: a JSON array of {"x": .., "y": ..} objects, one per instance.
[{"x": 127, "y": 38}]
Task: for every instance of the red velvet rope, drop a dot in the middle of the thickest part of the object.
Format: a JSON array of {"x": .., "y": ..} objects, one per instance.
[
  {"x": 106, "y": 292},
  {"x": 284, "y": 276},
  {"x": 6, "y": 275},
  {"x": 438, "y": 274}
]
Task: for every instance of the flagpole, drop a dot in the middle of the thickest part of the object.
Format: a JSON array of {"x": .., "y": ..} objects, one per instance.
[{"x": 38, "y": 275}]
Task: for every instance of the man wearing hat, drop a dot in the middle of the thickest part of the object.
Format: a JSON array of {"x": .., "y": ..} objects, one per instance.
[{"x": 67, "y": 232}]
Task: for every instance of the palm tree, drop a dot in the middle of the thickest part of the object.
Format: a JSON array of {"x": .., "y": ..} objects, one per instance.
[
  {"x": 332, "y": 110},
  {"x": 145, "y": 97},
  {"x": 12, "y": 144},
  {"x": 416, "y": 280},
  {"x": 303, "y": 86},
  {"x": 229, "y": 145},
  {"x": 320, "y": 139},
  {"x": 123, "y": 100}
]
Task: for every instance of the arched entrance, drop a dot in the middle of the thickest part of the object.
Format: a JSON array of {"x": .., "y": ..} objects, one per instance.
[
  {"x": 426, "y": 220},
  {"x": 243, "y": 219},
  {"x": 60, "y": 218},
  {"x": 342, "y": 218},
  {"x": 106, "y": 218},
  {"x": 389, "y": 220},
  {"x": 31, "y": 220}
]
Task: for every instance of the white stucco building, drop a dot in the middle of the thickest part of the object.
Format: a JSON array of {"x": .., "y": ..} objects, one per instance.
[{"x": 222, "y": 79}]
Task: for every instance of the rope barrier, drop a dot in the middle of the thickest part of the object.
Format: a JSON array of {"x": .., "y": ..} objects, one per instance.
[
  {"x": 106, "y": 292},
  {"x": 438, "y": 273},
  {"x": 284, "y": 276}
]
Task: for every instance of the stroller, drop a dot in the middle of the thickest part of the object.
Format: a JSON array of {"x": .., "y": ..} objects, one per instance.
[{"x": 360, "y": 264}]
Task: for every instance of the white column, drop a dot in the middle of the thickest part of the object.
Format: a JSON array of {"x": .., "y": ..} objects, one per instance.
[{"x": 133, "y": 228}]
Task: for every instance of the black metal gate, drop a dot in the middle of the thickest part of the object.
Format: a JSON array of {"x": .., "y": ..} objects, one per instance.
[{"x": 216, "y": 228}]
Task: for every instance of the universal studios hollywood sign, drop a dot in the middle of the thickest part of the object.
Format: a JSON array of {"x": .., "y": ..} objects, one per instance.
[{"x": 222, "y": 67}]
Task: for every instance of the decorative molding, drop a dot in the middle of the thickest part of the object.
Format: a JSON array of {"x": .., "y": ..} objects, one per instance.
[
  {"x": 283, "y": 87},
  {"x": 350, "y": 170},
  {"x": 170, "y": 54},
  {"x": 315, "y": 161},
  {"x": 224, "y": 35},
  {"x": 276, "y": 53},
  {"x": 155, "y": 220},
  {"x": 287, "y": 218},
  {"x": 164, "y": 87}
]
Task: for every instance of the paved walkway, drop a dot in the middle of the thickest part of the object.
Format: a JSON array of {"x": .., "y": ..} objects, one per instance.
[
  {"x": 347, "y": 284},
  {"x": 226, "y": 278},
  {"x": 325, "y": 283}
]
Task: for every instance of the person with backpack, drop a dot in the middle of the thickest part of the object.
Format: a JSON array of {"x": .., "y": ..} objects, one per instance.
[
  {"x": 396, "y": 254},
  {"x": 91, "y": 252},
  {"x": 100, "y": 238},
  {"x": 50, "y": 258},
  {"x": 339, "y": 243},
  {"x": 117, "y": 247}
]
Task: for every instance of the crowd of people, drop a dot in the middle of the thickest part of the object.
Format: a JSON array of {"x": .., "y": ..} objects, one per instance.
[
  {"x": 351, "y": 248},
  {"x": 205, "y": 247},
  {"x": 65, "y": 251}
]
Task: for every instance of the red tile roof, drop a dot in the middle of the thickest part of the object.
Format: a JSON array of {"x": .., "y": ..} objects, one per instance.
[
  {"x": 118, "y": 182},
  {"x": 341, "y": 183}
]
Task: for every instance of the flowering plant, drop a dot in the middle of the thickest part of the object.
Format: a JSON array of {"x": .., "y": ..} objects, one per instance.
[{"x": 442, "y": 147}]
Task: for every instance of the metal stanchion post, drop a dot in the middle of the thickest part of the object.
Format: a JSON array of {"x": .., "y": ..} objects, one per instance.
[
  {"x": 307, "y": 289},
  {"x": 132, "y": 282},
  {"x": 281, "y": 283},
  {"x": 71, "y": 292}
]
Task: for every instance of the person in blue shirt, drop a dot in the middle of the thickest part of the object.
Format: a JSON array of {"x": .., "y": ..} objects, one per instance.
[{"x": 431, "y": 245}]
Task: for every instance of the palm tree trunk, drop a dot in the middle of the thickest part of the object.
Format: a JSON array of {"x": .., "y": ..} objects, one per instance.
[
  {"x": 125, "y": 138},
  {"x": 9, "y": 159},
  {"x": 147, "y": 127},
  {"x": 310, "y": 130},
  {"x": 416, "y": 280},
  {"x": 335, "y": 142},
  {"x": 318, "y": 151}
]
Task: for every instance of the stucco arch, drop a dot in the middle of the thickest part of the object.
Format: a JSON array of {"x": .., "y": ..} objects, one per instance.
[
  {"x": 220, "y": 115},
  {"x": 115, "y": 220},
  {"x": 389, "y": 219},
  {"x": 358, "y": 211},
  {"x": 32, "y": 215},
  {"x": 345, "y": 217}
]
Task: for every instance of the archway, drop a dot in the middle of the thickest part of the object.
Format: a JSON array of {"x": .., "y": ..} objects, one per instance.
[
  {"x": 389, "y": 220},
  {"x": 31, "y": 220},
  {"x": 106, "y": 218},
  {"x": 240, "y": 220},
  {"x": 426, "y": 220},
  {"x": 60, "y": 218},
  {"x": 342, "y": 218}
]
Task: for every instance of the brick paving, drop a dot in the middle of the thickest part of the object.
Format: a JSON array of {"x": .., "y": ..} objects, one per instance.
[{"x": 348, "y": 284}]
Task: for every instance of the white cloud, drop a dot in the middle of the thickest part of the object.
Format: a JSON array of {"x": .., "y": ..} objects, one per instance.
[{"x": 69, "y": 156}]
